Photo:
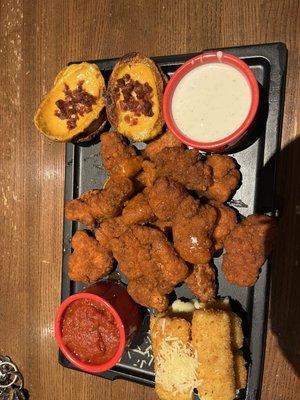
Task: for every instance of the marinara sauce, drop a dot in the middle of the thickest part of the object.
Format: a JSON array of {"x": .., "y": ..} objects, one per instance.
[{"x": 89, "y": 330}]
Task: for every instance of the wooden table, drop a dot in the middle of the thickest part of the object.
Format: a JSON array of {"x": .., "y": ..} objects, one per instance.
[{"x": 38, "y": 38}]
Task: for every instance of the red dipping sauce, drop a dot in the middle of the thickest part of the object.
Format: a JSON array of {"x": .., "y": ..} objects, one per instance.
[
  {"x": 93, "y": 327},
  {"x": 90, "y": 331}
]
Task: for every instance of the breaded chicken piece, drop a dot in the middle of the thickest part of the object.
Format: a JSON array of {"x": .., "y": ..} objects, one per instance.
[
  {"x": 193, "y": 227},
  {"x": 118, "y": 157},
  {"x": 145, "y": 252},
  {"x": 247, "y": 248},
  {"x": 226, "y": 177},
  {"x": 137, "y": 210},
  {"x": 161, "y": 329},
  {"x": 226, "y": 222},
  {"x": 89, "y": 261},
  {"x": 164, "y": 197},
  {"x": 185, "y": 167},
  {"x": 80, "y": 210},
  {"x": 109, "y": 229},
  {"x": 240, "y": 370},
  {"x": 211, "y": 338},
  {"x": 164, "y": 226},
  {"x": 167, "y": 139},
  {"x": 202, "y": 282},
  {"x": 95, "y": 205},
  {"x": 147, "y": 176},
  {"x": 144, "y": 291}
]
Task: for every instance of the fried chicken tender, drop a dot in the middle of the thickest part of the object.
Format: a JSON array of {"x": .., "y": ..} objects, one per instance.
[
  {"x": 247, "y": 248},
  {"x": 164, "y": 226},
  {"x": 144, "y": 291},
  {"x": 147, "y": 176},
  {"x": 145, "y": 252},
  {"x": 193, "y": 228},
  {"x": 226, "y": 222},
  {"x": 80, "y": 210},
  {"x": 165, "y": 196},
  {"x": 185, "y": 167},
  {"x": 226, "y": 177},
  {"x": 166, "y": 140},
  {"x": 95, "y": 205},
  {"x": 202, "y": 282},
  {"x": 137, "y": 210},
  {"x": 89, "y": 261},
  {"x": 109, "y": 229},
  {"x": 118, "y": 156}
]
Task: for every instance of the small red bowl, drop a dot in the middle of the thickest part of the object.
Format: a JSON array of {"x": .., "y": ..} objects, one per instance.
[
  {"x": 117, "y": 302},
  {"x": 205, "y": 58}
]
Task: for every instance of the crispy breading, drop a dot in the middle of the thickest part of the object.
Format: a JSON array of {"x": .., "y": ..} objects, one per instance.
[
  {"x": 202, "y": 282},
  {"x": 164, "y": 226},
  {"x": 211, "y": 338},
  {"x": 193, "y": 227},
  {"x": 79, "y": 210},
  {"x": 226, "y": 222},
  {"x": 144, "y": 291},
  {"x": 240, "y": 370},
  {"x": 89, "y": 261},
  {"x": 109, "y": 229},
  {"x": 236, "y": 330},
  {"x": 160, "y": 329},
  {"x": 147, "y": 176},
  {"x": 145, "y": 252},
  {"x": 167, "y": 139},
  {"x": 118, "y": 157},
  {"x": 226, "y": 177},
  {"x": 185, "y": 167},
  {"x": 95, "y": 205},
  {"x": 137, "y": 210},
  {"x": 164, "y": 197},
  {"x": 247, "y": 248}
]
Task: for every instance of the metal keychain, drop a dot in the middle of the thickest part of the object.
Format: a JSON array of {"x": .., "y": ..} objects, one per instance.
[{"x": 11, "y": 381}]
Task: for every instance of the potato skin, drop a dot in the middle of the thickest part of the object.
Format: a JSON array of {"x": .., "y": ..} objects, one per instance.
[
  {"x": 94, "y": 127},
  {"x": 111, "y": 103}
]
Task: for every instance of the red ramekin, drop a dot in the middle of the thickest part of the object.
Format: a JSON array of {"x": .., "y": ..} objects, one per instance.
[
  {"x": 205, "y": 58},
  {"x": 114, "y": 297}
]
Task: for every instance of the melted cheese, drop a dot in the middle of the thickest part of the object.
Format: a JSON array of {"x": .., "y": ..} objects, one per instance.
[
  {"x": 183, "y": 378},
  {"x": 46, "y": 119},
  {"x": 143, "y": 74}
]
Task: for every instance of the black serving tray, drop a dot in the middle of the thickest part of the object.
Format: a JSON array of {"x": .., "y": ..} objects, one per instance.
[{"x": 257, "y": 157}]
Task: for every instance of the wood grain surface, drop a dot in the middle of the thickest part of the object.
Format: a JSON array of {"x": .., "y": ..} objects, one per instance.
[{"x": 38, "y": 38}]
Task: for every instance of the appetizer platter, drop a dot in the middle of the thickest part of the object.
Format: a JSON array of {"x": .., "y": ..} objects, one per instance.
[{"x": 169, "y": 216}]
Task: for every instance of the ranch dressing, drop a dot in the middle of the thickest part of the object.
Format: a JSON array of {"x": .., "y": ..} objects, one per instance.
[{"x": 211, "y": 101}]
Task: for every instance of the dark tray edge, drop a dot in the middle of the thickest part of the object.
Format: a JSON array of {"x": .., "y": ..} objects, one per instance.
[{"x": 276, "y": 55}]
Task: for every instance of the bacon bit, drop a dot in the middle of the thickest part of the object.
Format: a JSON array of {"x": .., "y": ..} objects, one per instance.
[
  {"x": 76, "y": 103},
  {"x": 130, "y": 121},
  {"x": 137, "y": 97}
]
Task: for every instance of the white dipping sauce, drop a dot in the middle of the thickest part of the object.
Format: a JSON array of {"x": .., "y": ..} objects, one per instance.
[{"x": 210, "y": 102}]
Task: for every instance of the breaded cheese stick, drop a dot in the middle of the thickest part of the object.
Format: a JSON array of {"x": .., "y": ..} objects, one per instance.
[
  {"x": 237, "y": 335},
  {"x": 175, "y": 363},
  {"x": 211, "y": 338},
  {"x": 237, "y": 340},
  {"x": 240, "y": 370}
]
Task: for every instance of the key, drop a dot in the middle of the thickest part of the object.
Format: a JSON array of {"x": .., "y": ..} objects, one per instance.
[
  {"x": 11, "y": 381},
  {"x": 18, "y": 394}
]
